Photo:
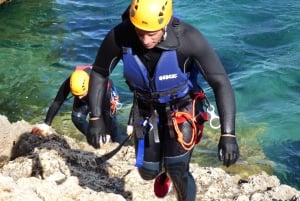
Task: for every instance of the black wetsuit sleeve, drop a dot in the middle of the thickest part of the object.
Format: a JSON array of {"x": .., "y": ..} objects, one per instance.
[
  {"x": 107, "y": 57},
  {"x": 61, "y": 96},
  {"x": 213, "y": 71}
]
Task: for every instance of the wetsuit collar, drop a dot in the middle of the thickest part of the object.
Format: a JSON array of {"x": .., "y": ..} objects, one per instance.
[{"x": 171, "y": 42}]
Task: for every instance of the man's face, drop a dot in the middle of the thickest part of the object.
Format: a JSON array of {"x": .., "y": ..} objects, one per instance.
[{"x": 149, "y": 39}]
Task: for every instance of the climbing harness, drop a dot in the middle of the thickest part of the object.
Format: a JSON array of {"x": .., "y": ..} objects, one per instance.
[{"x": 196, "y": 122}]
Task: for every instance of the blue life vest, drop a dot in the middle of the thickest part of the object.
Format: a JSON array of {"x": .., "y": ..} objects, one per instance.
[{"x": 168, "y": 82}]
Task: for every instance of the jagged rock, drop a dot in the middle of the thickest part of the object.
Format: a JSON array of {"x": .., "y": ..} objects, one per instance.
[
  {"x": 4, "y": 1},
  {"x": 57, "y": 167}
]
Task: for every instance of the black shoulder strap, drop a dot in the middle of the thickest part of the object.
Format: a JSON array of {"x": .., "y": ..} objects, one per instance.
[
  {"x": 176, "y": 21},
  {"x": 125, "y": 15}
]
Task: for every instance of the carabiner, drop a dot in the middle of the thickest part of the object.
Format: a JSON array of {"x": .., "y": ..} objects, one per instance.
[
  {"x": 119, "y": 105},
  {"x": 147, "y": 125},
  {"x": 104, "y": 139},
  {"x": 213, "y": 117}
]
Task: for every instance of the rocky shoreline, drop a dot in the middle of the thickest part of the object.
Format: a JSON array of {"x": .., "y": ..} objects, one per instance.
[
  {"x": 4, "y": 1},
  {"x": 57, "y": 167}
]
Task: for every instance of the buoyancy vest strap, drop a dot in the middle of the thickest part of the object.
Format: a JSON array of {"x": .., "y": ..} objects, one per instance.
[
  {"x": 152, "y": 97},
  {"x": 140, "y": 153}
]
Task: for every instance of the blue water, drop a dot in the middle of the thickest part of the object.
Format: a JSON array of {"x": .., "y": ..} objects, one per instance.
[{"x": 257, "y": 41}]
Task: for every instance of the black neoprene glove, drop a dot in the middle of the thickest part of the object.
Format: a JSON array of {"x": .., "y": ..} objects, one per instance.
[
  {"x": 95, "y": 131},
  {"x": 228, "y": 150}
]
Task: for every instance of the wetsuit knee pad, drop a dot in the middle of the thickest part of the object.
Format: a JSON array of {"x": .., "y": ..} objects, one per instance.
[
  {"x": 178, "y": 170},
  {"x": 149, "y": 170}
]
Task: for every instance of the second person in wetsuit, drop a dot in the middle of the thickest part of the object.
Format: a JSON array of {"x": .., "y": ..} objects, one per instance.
[{"x": 77, "y": 84}]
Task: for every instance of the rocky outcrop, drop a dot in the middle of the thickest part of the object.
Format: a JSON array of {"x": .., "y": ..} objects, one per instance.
[
  {"x": 4, "y": 1},
  {"x": 57, "y": 167}
]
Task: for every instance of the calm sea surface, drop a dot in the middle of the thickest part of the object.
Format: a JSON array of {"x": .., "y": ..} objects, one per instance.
[{"x": 257, "y": 41}]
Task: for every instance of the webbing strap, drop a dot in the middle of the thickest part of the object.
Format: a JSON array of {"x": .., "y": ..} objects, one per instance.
[{"x": 140, "y": 153}]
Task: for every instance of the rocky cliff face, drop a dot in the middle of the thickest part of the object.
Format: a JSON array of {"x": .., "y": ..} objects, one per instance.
[
  {"x": 57, "y": 167},
  {"x": 3, "y": 1}
]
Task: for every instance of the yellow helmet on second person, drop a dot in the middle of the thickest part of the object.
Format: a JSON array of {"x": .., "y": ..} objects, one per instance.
[
  {"x": 150, "y": 15},
  {"x": 79, "y": 82}
]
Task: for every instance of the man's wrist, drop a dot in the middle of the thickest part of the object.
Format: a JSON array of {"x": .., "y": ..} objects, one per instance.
[
  {"x": 94, "y": 118},
  {"x": 227, "y": 135}
]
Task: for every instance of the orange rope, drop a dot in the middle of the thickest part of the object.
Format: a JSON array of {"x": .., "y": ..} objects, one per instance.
[
  {"x": 113, "y": 107},
  {"x": 195, "y": 136},
  {"x": 186, "y": 145}
]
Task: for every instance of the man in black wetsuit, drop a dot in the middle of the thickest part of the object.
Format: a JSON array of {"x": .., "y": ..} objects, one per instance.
[
  {"x": 77, "y": 83},
  {"x": 159, "y": 53}
]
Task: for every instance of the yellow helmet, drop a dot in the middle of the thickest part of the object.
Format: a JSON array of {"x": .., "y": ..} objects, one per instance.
[
  {"x": 79, "y": 82},
  {"x": 150, "y": 15}
]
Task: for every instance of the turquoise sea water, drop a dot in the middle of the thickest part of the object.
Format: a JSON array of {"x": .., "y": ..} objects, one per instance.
[{"x": 257, "y": 41}]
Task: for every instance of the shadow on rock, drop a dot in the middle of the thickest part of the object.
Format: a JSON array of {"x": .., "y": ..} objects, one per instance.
[{"x": 53, "y": 158}]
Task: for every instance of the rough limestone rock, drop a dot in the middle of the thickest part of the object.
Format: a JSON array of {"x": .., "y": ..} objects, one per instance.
[
  {"x": 4, "y": 1},
  {"x": 57, "y": 167}
]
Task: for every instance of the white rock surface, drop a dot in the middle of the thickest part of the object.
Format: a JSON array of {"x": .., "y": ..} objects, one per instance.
[{"x": 58, "y": 168}]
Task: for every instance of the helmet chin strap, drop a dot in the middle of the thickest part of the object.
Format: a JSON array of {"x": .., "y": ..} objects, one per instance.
[{"x": 164, "y": 37}]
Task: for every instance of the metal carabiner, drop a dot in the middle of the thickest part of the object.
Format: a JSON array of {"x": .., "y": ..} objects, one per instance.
[
  {"x": 213, "y": 117},
  {"x": 119, "y": 105}
]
